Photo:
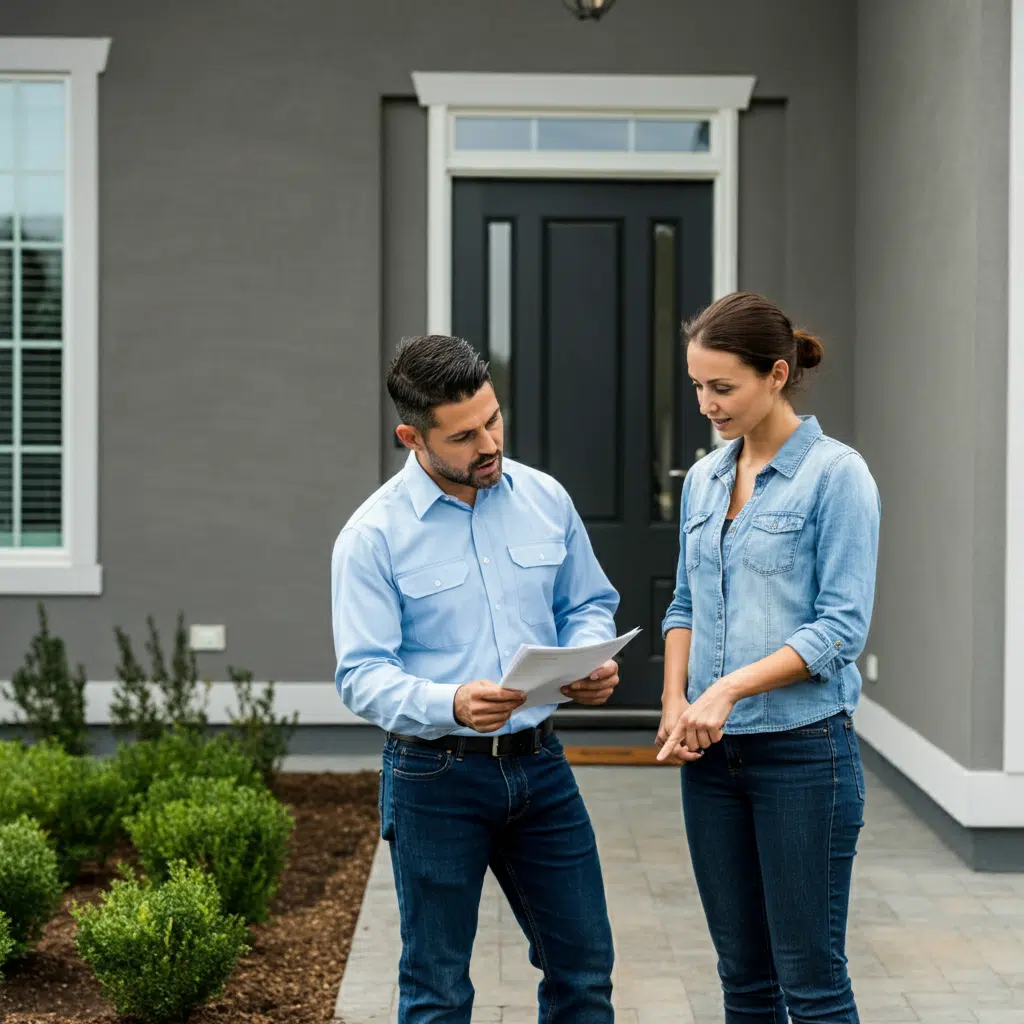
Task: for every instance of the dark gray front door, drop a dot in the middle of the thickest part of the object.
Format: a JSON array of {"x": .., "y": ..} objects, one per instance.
[{"x": 576, "y": 290}]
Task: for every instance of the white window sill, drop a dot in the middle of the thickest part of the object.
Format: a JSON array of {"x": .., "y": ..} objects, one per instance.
[{"x": 50, "y": 580}]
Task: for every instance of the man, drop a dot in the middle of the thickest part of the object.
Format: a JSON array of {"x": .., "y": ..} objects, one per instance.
[{"x": 436, "y": 581}]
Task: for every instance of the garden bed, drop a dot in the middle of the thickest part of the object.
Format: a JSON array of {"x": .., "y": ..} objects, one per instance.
[{"x": 298, "y": 956}]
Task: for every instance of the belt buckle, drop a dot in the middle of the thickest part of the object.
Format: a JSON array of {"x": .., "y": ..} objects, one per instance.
[{"x": 494, "y": 746}]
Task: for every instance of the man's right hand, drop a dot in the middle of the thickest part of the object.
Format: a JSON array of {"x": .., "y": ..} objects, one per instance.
[{"x": 484, "y": 707}]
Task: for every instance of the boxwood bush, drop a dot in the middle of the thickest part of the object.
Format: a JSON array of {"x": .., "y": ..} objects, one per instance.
[
  {"x": 78, "y": 801},
  {"x": 238, "y": 834},
  {"x": 159, "y": 951},
  {"x": 184, "y": 753},
  {"x": 30, "y": 889},
  {"x": 6, "y": 942}
]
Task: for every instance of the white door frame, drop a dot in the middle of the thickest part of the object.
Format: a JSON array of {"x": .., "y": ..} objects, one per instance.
[{"x": 713, "y": 98}]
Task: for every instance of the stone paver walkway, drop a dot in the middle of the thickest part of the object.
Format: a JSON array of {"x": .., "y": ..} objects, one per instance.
[{"x": 929, "y": 939}]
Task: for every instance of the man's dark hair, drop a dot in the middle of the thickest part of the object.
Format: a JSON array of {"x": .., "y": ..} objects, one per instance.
[{"x": 431, "y": 371}]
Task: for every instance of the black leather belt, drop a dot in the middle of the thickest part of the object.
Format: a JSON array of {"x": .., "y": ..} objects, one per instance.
[{"x": 526, "y": 741}]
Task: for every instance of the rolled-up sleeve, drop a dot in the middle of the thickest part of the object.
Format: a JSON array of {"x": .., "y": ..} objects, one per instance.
[
  {"x": 680, "y": 611},
  {"x": 367, "y": 617},
  {"x": 848, "y": 518},
  {"x": 584, "y": 602}
]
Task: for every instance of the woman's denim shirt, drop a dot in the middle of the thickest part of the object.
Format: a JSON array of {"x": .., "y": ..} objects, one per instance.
[{"x": 797, "y": 567}]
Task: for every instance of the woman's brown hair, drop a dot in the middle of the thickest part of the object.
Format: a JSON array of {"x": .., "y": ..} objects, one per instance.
[{"x": 756, "y": 331}]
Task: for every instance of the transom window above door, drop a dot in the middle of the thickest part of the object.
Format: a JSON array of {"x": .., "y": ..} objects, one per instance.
[{"x": 511, "y": 133}]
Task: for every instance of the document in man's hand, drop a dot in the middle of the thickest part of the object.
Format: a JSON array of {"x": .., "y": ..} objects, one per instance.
[{"x": 541, "y": 672}]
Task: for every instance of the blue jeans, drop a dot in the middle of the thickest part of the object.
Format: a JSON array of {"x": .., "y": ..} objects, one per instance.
[
  {"x": 448, "y": 819},
  {"x": 772, "y": 821}
]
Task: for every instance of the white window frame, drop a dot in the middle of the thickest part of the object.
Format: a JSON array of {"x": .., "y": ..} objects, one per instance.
[
  {"x": 714, "y": 98},
  {"x": 1013, "y": 676},
  {"x": 74, "y": 568}
]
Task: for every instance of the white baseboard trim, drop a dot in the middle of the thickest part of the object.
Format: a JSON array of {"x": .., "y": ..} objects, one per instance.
[
  {"x": 316, "y": 703},
  {"x": 976, "y": 799}
]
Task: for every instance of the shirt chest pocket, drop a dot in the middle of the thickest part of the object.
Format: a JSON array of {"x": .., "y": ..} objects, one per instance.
[
  {"x": 772, "y": 543},
  {"x": 692, "y": 530},
  {"x": 536, "y": 566},
  {"x": 436, "y": 600}
]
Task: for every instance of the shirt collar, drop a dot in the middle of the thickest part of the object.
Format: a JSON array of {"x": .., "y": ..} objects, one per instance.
[
  {"x": 424, "y": 491},
  {"x": 787, "y": 459}
]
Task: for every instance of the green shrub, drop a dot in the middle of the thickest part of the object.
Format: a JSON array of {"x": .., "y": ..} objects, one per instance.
[
  {"x": 78, "y": 801},
  {"x": 6, "y": 941},
  {"x": 263, "y": 736},
  {"x": 159, "y": 951},
  {"x": 49, "y": 696},
  {"x": 182, "y": 753},
  {"x": 30, "y": 889},
  {"x": 240, "y": 835},
  {"x": 183, "y": 696},
  {"x": 133, "y": 709}
]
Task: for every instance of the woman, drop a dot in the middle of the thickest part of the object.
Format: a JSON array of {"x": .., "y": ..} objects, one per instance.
[{"x": 774, "y": 590}]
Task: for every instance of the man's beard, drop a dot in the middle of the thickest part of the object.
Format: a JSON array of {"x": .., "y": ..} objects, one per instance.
[{"x": 468, "y": 477}]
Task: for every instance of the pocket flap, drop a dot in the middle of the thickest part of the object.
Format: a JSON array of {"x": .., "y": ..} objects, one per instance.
[
  {"x": 695, "y": 520},
  {"x": 529, "y": 556},
  {"x": 433, "y": 579},
  {"x": 778, "y": 522}
]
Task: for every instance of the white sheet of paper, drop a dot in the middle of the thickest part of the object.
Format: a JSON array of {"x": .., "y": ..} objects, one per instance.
[{"x": 541, "y": 672}]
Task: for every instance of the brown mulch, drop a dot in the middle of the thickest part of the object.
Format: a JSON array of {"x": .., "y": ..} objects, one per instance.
[{"x": 298, "y": 955}]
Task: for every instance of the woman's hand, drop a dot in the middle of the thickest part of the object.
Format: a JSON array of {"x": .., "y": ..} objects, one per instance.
[
  {"x": 671, "y": 709},
  {"x": 700, "y": 724}
]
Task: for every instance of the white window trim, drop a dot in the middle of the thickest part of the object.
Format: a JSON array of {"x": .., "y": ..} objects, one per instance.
[
  {"x": 710, "y": 97},
  {"x": 75, "y": 568},
  {"x": 1013, "y": 676}
]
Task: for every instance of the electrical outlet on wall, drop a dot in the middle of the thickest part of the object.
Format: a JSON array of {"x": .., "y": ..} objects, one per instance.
[
  {"x": 871, "y": 668},
  {"x": 207, "y": 638}
]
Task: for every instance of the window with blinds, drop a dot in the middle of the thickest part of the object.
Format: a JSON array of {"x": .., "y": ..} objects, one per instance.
[{"x": 32, "y": 191}]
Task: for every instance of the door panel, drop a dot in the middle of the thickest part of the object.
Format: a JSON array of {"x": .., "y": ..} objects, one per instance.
[
  {"x": 579, "y": 288},
  {"x": 582, "y": 281}
]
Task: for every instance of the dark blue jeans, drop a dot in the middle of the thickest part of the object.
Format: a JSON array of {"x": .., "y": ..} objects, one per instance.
[
  {"x": 448, "y": 819},
  {"x": 772, "y": 821}
]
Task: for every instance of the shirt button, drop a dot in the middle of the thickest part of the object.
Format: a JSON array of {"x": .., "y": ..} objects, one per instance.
[
  {"x": 506, "y": 654},
  {"x": 487, "y": 561},
  {"x": 497, "y": 606},
  {"x": 437, "y": 583},
  {"x": 542, "y": 557}
]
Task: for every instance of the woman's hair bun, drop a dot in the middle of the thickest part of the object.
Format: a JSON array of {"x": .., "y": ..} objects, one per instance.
[{"x": 809, "y": 349}]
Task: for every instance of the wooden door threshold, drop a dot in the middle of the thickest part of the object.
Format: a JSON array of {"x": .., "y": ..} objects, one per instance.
[{"x": 612, "y": 755}]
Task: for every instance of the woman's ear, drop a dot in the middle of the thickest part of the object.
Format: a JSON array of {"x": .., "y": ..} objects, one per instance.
[{"x": 780, "y": 375}]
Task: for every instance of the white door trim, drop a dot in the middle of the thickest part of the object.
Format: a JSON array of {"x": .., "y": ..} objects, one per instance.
[
  {"x": 1013, "y": 675},
  {"x": 717, "y": 99}
]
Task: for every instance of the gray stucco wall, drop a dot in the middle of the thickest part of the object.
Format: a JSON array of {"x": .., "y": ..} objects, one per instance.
[
  {"x": 932, "y": 166},
  {"x": 241, "y": 256}
]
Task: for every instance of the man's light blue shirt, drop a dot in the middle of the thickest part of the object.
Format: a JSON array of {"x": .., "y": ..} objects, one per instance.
[{"x": 429, "y": 593}]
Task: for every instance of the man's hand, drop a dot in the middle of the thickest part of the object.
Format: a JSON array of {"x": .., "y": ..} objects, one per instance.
[
  {"x": 484, "y": 707},
  {"x": 597, "y": 688},
  {"x": 701, "y": 724},
  {"x": 671, "y": 710}
]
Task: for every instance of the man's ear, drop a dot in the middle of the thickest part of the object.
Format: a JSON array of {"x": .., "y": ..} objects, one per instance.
[{"x": 410, "y": 437}]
